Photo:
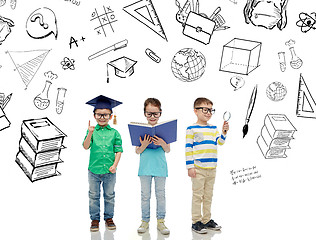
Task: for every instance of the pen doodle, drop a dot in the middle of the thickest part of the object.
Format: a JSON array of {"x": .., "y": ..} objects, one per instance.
[
  {"x": 4, "y": 121},
  {"x": 249, "y": 110},
  {"x": 103, "y": 20},
  {"x": 275, "y": 136},
  {"x": 68, "y": 63},
  {"x": 27, "y": 63},
  {"x": 144, "y": 11},
  {"x": 42, "y": 23},
  {"x": 114, "y": 47},
  {"x": 40, "y": 146},
  {"x": 5, "y": 28},
  {"x": 306, "y": 105}
]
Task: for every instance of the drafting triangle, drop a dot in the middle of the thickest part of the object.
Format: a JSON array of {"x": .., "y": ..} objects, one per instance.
[
  {"x": 306, "y": 105},
  {"x": 27, "y": 63},
  {"x": 144, "y": 12}
]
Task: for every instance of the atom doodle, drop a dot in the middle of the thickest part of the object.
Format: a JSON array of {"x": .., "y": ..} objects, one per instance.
[
  {"x": 306, "y": 22},
  {"x": 68, "y": 63}
]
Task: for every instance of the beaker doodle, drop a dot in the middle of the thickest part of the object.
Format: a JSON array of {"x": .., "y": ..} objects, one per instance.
[
  {"x": 295, "y": 62},
  {"x": 282, "y": 61},
  {"x": 226, "y": 117},
  {"x": 60, "y": 99},
  {"x": 41, "y": 101}
]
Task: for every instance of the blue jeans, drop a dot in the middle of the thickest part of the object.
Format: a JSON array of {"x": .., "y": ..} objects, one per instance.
[
  {"x": 160, "y": 183},
  {"x": 108, "y": 182}
]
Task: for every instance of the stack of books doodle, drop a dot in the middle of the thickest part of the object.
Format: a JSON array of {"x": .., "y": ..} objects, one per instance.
[
  {"x": 39, "y": 148},
  {"x": 276, "y": 135}
]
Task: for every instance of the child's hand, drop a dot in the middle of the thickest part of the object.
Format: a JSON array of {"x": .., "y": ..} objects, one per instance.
[
  {"x": 225, "y": 127},
  {"x": 112, "y": 169},
  {"x": 192, "y": 172},
  {"x": 158, "y": 141},
  {"x": 147, "y": 140},
  {"x": 90, "y": 128}
]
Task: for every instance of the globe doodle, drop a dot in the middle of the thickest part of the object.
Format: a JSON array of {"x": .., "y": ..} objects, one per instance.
[
  {"x": 188, "y": 64},
  {"x": 276, "y": 91}
]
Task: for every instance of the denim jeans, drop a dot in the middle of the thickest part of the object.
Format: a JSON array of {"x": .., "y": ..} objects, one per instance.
[
  {"x": 108, "y": 182},
  {"x": 146, "y": 194}
]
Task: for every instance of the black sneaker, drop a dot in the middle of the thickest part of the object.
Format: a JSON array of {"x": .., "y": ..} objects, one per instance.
[
  {"x": 199, "y": 227},
  {"x": 212, "y": 225}
]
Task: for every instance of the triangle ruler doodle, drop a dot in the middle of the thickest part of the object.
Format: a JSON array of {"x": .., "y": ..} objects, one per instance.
[
  {"x": 144, "y": 11},
  {"x": 27, "y": 63},
  {"x": 306, "y": 106}
]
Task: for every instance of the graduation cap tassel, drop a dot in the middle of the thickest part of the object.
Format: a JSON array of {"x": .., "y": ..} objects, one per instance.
[
  {"x": 107, "y": 73},
  {"x": 114, "y": 120}
]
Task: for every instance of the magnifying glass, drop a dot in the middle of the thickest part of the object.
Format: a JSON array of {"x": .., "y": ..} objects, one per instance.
[{"x": 226, "y": 117}]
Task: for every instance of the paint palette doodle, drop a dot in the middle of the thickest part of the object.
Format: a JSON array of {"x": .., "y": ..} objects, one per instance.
[{"x": 103, "y": 21}]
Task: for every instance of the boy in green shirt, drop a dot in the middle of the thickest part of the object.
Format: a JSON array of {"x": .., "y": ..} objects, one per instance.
[{"x": 105, "y": 145}]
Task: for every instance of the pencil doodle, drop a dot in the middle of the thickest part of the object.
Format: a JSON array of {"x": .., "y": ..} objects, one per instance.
[
  {"x": 153, "y": 56},
  {"x": 276, "y": 91},
  {"x": 240, "y": 56},
  {"x": 68, "y": 63},
  {"x": 42, "y": 23},
  {"x": 237, "y": 82},
  {"x": 196, "y": 25},
  {"x": 27, "y": 63},
  {"x": 77, "y": 3},
  {"x": 282, "y": 61},
  {"x": 102, "y": 20},
  {"x": 144, "y": 11},
  {"x": 123, "y": 67},
  {"x": 4, "y": 121},
  {"x": 5, "y": 28},
  {"x": 188, "y": 64},
  {"x": 40, "y": 146},
  {"x": 306, "y": 21},
  {"x": 249, "y": 110},
  {"x": 267, "y": 14},
  {"x": 306, "y": 105},
  {"x": 41, "y": 101},
  {"x": 75, "y": 41},
  {"x": 114, "y": 47},
  {"x": 275, "y": 136},
  {"x": 60, "y": 99}
]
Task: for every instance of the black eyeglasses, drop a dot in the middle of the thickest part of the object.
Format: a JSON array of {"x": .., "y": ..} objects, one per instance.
[
  {"x": 99, "y": 115},
  {"x": 155, "y": 114},
  {"x": 205, "y": 110}
]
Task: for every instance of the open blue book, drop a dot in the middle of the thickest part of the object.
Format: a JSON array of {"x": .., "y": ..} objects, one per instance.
[{"x": 165, "y": 130}]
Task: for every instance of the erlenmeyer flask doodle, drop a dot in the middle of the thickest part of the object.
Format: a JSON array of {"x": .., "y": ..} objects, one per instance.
[
  {"x": 295, "y": 62},
  {"x": 226, "y": 117},
  {"x": 60, "y": 99},
  {"x": 41, "y": 101}
]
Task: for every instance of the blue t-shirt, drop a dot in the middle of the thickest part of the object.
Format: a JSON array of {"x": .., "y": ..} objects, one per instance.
[{"x": 153, "y": 163}]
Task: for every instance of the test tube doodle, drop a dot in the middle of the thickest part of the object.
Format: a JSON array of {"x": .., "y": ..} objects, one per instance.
[
  {"x": 60, "y": 99},
  {"x": 282, "y": 61}
]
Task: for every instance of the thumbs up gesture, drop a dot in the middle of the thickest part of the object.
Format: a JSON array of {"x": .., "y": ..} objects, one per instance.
[{"x": 91, "y": 128}]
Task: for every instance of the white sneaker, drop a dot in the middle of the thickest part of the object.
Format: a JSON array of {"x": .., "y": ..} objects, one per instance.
[
  {"x": 162, "y": 227},
  {"x": 143, "y": 227}
]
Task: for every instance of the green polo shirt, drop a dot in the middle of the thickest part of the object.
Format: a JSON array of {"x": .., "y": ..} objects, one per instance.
[{"x": 105, "y": 142}]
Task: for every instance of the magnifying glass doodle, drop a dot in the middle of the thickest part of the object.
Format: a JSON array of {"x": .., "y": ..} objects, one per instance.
[{"x": 226, "y": 116}]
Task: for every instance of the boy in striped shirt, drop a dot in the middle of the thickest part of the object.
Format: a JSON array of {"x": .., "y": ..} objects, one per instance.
[{"x": 201, "y": 160}]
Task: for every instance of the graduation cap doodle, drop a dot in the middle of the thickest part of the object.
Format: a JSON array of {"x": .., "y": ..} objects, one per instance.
[{"x": 123, "y": 66}]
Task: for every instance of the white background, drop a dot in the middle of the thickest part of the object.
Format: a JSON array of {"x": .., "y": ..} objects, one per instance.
[{"x": 279, "y": 205}]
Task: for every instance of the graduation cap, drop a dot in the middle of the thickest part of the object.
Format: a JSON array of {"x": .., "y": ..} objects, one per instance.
[
  {"x": 102, "y": 102},
  {"x": 123, "y": 66}
]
